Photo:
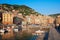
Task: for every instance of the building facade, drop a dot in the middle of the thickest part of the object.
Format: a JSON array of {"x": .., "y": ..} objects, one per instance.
[{"x": 7, "y": 18}]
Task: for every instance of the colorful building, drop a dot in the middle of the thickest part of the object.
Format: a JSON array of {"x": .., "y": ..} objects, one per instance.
[
  {"x": 57, "y": 20},
  {"x": 7, "y": 18}
]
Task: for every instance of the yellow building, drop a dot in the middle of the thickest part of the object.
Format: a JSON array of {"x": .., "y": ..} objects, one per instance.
[
  {"x": 7, "y": 18},
  {"x": 57, "y": 20},
  {"x": 50, "y": 20}
]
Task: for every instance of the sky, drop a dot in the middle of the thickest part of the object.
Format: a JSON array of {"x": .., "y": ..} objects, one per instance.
[{"x": 45, "y": 7}]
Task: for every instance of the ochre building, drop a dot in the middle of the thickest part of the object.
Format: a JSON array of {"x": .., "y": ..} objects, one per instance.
[{"x": 7, "y": 18}]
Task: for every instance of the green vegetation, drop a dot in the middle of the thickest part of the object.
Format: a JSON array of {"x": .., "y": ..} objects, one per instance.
[
  {"x": 55, "y": 15},
  {"x": 25, "y": 10}
]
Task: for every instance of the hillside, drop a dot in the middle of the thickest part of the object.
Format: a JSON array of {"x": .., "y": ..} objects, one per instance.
[
  {"x": 55, "y": 15},
  {"x": 22, "y": 9}
]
